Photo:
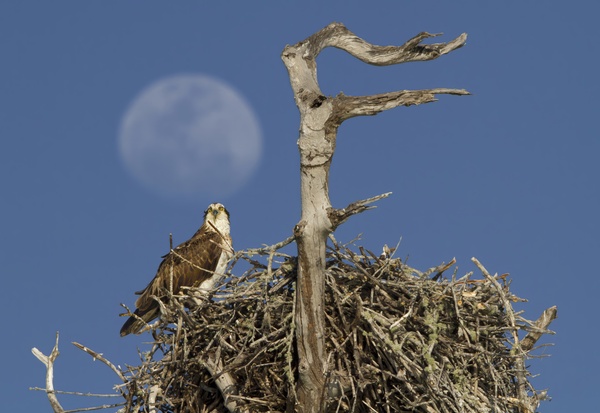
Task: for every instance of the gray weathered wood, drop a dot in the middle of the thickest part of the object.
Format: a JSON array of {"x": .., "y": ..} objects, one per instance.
[
  {"x": 49, "y": 363},
  {"x": 320, "y": 117}
]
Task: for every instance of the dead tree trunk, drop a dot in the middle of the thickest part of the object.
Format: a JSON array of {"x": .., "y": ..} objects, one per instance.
[{"x": 320, "y": 117}]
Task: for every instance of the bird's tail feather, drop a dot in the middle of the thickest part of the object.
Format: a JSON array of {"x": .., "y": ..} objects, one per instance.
[{"x": 136, "y": 323}]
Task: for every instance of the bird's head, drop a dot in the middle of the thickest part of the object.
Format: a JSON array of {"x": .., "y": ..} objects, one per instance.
[{"x": 217, "y": 215}]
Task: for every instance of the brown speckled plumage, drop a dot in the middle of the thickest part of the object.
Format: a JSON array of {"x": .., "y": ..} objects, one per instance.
[{"x": 194, "y": 264}]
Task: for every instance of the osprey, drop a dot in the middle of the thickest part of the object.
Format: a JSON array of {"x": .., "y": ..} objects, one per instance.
[{"x": 199, "y": 262}]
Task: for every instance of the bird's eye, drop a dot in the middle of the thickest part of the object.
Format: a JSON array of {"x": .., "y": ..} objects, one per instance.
[
  {"x": 209, "y": 210},
  {"x": 221, "y": 208}
]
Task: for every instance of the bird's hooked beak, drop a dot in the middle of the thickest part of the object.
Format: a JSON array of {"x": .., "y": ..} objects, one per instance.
[{"x": 215, "y": 212}]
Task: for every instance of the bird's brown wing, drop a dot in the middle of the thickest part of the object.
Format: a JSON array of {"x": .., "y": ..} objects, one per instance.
[{"x": 191, "y": 263}]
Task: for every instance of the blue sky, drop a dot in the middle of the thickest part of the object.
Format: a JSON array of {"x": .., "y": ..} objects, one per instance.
[{"x": 508, "y": 175}]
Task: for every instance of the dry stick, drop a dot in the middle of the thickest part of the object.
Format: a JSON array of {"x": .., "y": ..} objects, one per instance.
[
  {"x": 542, "y": 324},
  {"x": 224, "y": 380},
  {"x": 462, "y": 328},
  {"x": 289, "y": 275},
  {"x": 346, "y": 107},
  {"x": 77, "y": 393},
  {"x": 337, "y": 35},
  {"x": 266, "y": 249},
  {"x": 152, "y": 398},
  {"x": 99, "y": 356},
  {"x": 339, "y": 216},
  {"x": 172, "y": 264},
  {"x": 49, "y": 362},
  {"x": 524, "y": 401},
  {"x": 439, "y": 270},
  {"x": 270, "y": 264},
  {"x": 89, "y": 409}
]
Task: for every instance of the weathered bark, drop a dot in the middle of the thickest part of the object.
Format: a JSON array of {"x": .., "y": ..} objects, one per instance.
[
  {"x": 320, "y": 117},
  {"x": 49, "y": 363}
]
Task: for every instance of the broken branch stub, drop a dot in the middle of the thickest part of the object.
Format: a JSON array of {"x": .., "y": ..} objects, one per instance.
[{"x": 320, "y": 117}]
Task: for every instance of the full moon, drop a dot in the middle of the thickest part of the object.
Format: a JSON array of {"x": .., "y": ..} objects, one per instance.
[{"x": 190, "y": 136}]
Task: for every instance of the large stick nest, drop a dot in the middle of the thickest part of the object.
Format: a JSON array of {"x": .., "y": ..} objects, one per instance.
[{"x": 396, "y": 340}]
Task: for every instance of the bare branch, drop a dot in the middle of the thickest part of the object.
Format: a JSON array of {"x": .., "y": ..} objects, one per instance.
[
  {"x": 542, "y": 324},
  {"x": 266, "y": 249},
  {"x": 345, "y": 107},
  {"x": 77, "y": 393},
  {"x": 224, "y": 381},
  {"x": 439, "y": 270},
  {"x": 337, "y": 35},
  {"x": 339, "y": 216},
  {"x": 153, "y": 394},
  {"x": 49, "y": 362},
  {"x": 98, "y": 356},
  {"x": 288, "y": 270},
  {"x": 91, "y": 409}
]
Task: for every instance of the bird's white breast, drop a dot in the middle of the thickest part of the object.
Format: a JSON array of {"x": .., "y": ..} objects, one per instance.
[{"x": 226, "y": 254}]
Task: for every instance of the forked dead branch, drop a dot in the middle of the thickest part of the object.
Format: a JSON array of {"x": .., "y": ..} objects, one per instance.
[{"x": 320, "y": 118}]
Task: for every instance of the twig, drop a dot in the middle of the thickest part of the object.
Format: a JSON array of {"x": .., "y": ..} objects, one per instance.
[
  {"x": 76, "y": 393},
  {"x": 100, "y": 357},
  {"x": 267, "y": 248},
  {"x": 439, "y": 270},
  {"x": 171, "y": 267},
  {"x": 541, "y": 324},
  {"x": 525, "y": 401},
  {"x": 339, "y": 216},
  {"x": 89, "y": 409},
  {"x": 223, "y": 380}
]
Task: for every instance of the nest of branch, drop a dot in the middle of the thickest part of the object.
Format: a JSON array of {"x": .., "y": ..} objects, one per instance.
[{"x": 396, "y": 340}]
